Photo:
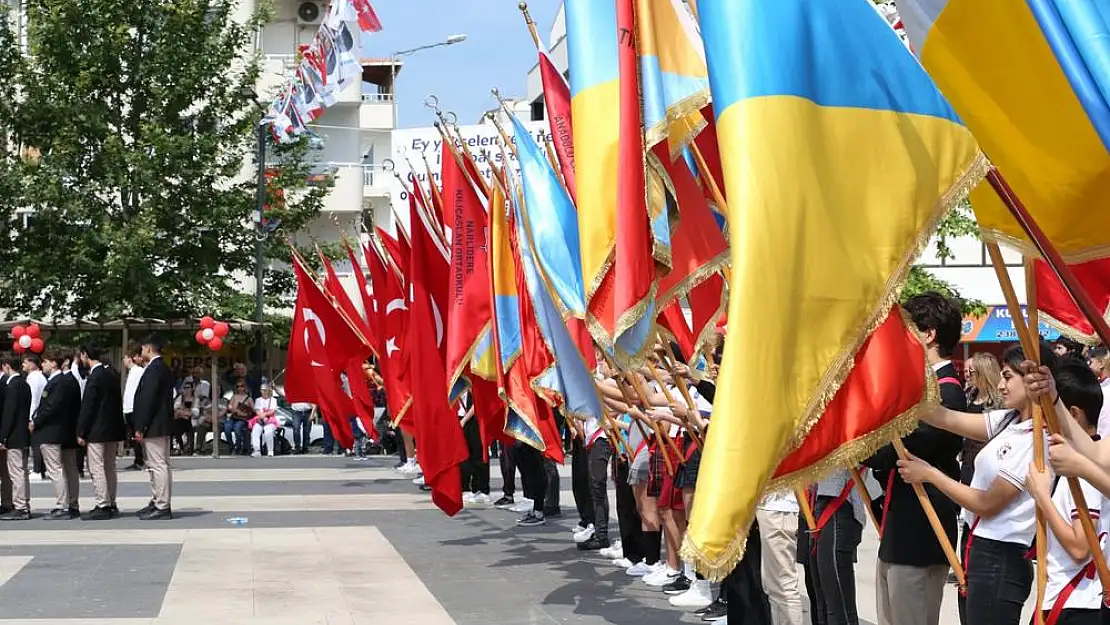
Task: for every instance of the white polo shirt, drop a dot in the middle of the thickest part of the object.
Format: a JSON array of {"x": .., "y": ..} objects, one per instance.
[
  {"x": 1061, "y": 567},
  {"x": 1007, "y": 455},
  {"x": 1104, "y": 414}
]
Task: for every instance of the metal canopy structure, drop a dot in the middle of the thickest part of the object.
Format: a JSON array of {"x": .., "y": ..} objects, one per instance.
[{"x": 124, "y": 324}]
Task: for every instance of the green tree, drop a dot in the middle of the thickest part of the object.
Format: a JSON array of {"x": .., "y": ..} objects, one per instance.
[{"x": 137, "y": 197}]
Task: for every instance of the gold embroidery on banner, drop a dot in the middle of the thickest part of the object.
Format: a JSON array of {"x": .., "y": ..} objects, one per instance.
[{"x": 842, "y": 366}]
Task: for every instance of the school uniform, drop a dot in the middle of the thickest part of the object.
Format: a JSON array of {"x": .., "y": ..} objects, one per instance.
[
  {"x": 15, "y": 435},
  {"x": 829, "y": 554},
  {"x": 999, "y": 576},
  {"x": 56, "y": 436},
  {"x": 153, "y": 420},
  {"x": 100, "y": 423},
  {"x": 598, "y": 454},
  {"x": 1073, "y": 595}
]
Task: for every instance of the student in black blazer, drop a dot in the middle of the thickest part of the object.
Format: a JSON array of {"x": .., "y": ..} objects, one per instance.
[
  {"x": 101, "y": 429},
  {"x": 5, "y": 477},
  {"x": 15, "y": 437},
  {"x": 153, "y": 422},
  {"x": 54, "y": 430}
]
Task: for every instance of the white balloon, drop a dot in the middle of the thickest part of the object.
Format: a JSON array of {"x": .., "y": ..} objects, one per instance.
[
  {"x": 208, "y": 333},
  {"x": 25, "y": 342}
]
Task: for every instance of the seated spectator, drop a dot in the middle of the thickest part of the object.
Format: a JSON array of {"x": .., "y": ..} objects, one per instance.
[
  {"x": 240, "y": 410},
  {"x": 264, "y": 423}
]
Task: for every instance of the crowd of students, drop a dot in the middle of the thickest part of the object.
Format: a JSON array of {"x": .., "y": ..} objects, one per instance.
[{"x": 973, "y": 455}]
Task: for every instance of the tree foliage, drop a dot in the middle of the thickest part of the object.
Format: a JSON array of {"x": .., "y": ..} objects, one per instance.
[
  {"x": 960, "y": 222},
  {"x": 127, "y": 187}
]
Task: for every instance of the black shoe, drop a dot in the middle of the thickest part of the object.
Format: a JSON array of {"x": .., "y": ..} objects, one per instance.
[
  {"x": 554, "y": 513},
  {"x": 706, "y": 609},
  {"x": 531, "y": 520},
  {"x": 4, "y": 510},
  {"x": 678, "y": 586},
  {"x": 504, "y": 503},
  {"x": 594, "y": 544},
  {"x": 61, "y": 514},
  {"x": 114, "y": 509},
  {"x": 16, "y": 515},
  {"x": 136, "y": 467},
  {"x": 717, "y": 610},
  {"x": 157, "y": 514},
  {"x": 425, "y": 488},
  {"x": 147, "y": 509},
  {"x": 100, "y": 514}
]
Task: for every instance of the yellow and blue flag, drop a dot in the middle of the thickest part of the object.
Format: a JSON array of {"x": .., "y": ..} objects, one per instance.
[
  {"x": 839, "y": 156},
  {"x": 1031, "y": 79}
]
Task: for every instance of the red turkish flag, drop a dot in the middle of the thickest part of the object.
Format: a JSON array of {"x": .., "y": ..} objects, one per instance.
[
  {"x": 392, "y": 311},
  {"x": 366, "y": 293},
  {"x": 398, "y": 250},
  {"x": 439, "y": 437},
  {"x": 320, "y": 345},
  {"x": 368, "y": 21},
  {"x": 334, "y": 288},
  {"x": 1053, "y": 299}
]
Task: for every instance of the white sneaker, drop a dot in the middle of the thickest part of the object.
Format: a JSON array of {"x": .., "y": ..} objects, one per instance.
[
  {"x": 584, "y": 535},
  {"x": 623, "y": 563},
  {"x": 406, "y": 468},
  {"x": 480, "y": 499},
  {"x": 661, "y": 577},
  {"x": 468, "y": 498},
  {"x": 419, "y": 480},
  {"x": 613, "y": 553},
  {"x": 524, "y": 505},
  {"x": 256, "y": 454},
  {"x": 699, "y": 596},
  {"x": 639, "y": 569},
  {"x": 270, "y": 454}
]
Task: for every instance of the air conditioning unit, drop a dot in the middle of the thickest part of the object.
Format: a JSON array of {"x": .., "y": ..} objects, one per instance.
[{"x": 310, "y": 13}]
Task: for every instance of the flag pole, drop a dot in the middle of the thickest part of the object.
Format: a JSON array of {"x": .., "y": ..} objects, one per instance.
[
  {"x": 807, "y": 510},
  {"x": 523, "y": 6},
  {"x": 1041, "y": 542},
  {"x": 865, "y": 496},
  {"x": 694, "y": 434},
  {"x": 1030, "y": 347}
]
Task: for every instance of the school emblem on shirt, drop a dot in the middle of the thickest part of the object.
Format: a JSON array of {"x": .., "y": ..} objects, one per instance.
[{"x": 1003, "y": 451}]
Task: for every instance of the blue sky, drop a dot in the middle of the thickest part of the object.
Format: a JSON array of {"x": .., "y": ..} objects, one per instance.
[{"x": 498, "y": 52}]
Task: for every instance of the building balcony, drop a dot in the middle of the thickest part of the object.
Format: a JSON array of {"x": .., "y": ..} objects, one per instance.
[
  {"x": 376, "y": 112},
  {"x": 346, "y": 192},
  {"x": 375, "y": 181}
]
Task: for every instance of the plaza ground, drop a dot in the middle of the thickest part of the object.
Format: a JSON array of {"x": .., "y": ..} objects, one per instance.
[{"x": 327, "y": 541}]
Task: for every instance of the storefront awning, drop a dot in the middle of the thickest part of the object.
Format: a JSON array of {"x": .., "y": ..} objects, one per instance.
[{"x": 996, "y": 326}]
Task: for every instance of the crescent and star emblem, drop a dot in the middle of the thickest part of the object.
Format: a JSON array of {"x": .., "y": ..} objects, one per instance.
[{"x": 310, "y": 315}]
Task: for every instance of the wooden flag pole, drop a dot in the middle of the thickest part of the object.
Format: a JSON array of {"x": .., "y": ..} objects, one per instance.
[
  {"x": 1029, "y": 346},
  {"x": 1041, "y": 542},
  {"x": 807, "y": 510},
  {"x": 934, "y": 521},
  {"x": 670, "y": 398}
]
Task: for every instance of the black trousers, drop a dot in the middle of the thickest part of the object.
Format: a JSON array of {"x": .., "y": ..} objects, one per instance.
[
  {"x": 743, "y": 588},
  {"x": 532, "y": 477},
  {"x": 81, "y": 462},
  {"x": 830, "y": 574},
  {"x": 508, "y": 469},
  {"x": 136, "y": 447},
  {"x": 38, "y": 466},
  {"x": 475, "y": 471},
  {"x": 628, "y": 517},
  {"x": 580, "y": 483},
  {"x": 598, "y": 455},
  {"x": 999, "y": 579},
  {"x": 551, "y": 481}
]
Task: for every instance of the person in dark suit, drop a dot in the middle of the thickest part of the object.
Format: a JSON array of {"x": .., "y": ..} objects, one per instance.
[
  {"x": 54, "y": 430},
  {"x": 5, "y": 477},
  {"x": 153, "y": 422},
  {"x": 15, "y": 437},
  {"x": 101, "y": 429},
  {"x": 912, "y": 567}
]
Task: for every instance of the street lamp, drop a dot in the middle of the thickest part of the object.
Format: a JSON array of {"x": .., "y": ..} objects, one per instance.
[{"x": 396, "y": 56}]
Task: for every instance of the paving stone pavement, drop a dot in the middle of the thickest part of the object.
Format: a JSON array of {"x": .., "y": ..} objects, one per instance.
[{"x": 327, "y": 541}]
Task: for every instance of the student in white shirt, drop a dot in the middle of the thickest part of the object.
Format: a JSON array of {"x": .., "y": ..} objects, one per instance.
[
  {"x": 32, "y": 370},
  {"x": 999, "y": 576},
  {"x": 1073, "y": 595},
  {"x": 133, "y": 364}
]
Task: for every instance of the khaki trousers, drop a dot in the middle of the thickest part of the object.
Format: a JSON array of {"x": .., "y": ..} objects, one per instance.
[
  {"x": 61, "y": 468},
  {"x": 778, "y": 535},
  {"x": 21, "y": 480},
  {"x": 157, "y": 452},
  {"x": 102, "y": 468},
  {"x": 909, "y": 595},
  {"x": 5, "y": 481}
]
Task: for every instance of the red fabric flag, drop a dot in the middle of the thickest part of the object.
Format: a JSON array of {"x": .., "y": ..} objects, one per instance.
[
  {"x": 556, "y": 96},
  {"x": 368, "y": 20},
  {"x": 469, "y": 309},
  {"x": 490, "y": 410},
  {"x": 440, "y": 439},
  {"x": 361, "y": 400},
  {"x": 320, "y": 345},
  {"x": 334, "y": 288},
  {"x": 1059, "y": 308},
  {"x": 628, "y": 282},
  {"x": 392, "y": 307},
  {"x": 886, "y": 382},
  {"x": 398, "y": 250},
  {"x": 366, "y": 293}
]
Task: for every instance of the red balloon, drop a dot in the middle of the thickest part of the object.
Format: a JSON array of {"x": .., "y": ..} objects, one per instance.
[
  {"x": 37, "y": 345},
  {"x": 200, "y": 336},
  {"x": 33, "y": 330},
  {"x": 215, "y": 344},
  {"x": 221, "y": 329},
  {"x": 18, "y": 331},
  {"x": 16, "y": 347},
  {"x": 207, "y": 322}
]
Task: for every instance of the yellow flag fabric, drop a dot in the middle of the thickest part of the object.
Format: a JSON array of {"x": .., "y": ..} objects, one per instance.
[{"x": 839, "y": 155}]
